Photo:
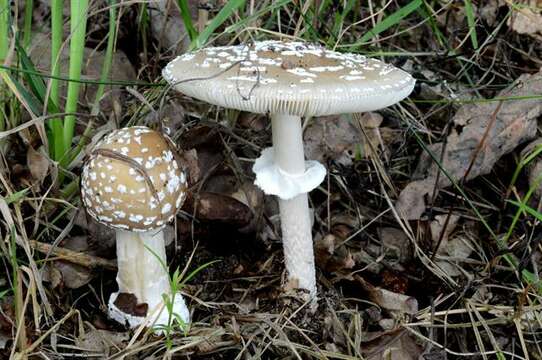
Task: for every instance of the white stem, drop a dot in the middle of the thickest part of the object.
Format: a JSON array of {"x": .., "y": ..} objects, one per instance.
[
  {"x": 294, "y": 213},
  {"x": 140, "y": 272}
]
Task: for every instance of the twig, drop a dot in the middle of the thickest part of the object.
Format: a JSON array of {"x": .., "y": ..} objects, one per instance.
[{"x": 75, "y": 257}]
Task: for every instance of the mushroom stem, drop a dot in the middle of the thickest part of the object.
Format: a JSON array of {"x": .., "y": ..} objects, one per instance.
[
  {"x": 294, "y": 213},
  {"x": 139, "y": 270}
]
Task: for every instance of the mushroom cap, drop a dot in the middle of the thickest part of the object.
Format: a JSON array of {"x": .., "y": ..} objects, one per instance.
[
  {"x": 133, "y": 181},
  {"x": 293, "y": 78}
]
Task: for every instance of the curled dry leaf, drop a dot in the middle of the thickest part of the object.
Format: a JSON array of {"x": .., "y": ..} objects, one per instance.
[
  {"x": 507, "y": 124},
  {"x": 330, "y": 257},
  {"x": 189, "y": 159},
  {"x": 389, "y": 300},
  {"x": 38, "y": 164},
  {"x": 223, "y": 208}
]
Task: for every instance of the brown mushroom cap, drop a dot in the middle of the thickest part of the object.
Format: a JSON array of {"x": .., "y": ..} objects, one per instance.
[
  {"x": 132, "y": 180},
  {"x": 291, "y": 78}
]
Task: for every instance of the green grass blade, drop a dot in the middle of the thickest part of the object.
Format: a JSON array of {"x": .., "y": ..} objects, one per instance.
[
  {"x": 526, "y": 208},
  {"x": 16, "y": 196},
  {"x": 35, "y": 82},
  {"x": 217, "y": 21},
  {"x": 469, "y": 11},
  {"x": 78, "y": 25},
  {"x": 239, "y": 25},
  {"x": 391, "y": 20},
  {"x": 33, "y": 104},
  {"x": 4, "y": 28},
  {"x": 57, "y": 137},
  {"x": 27, "y": 24},
  {"x": 108, "y": 59},
  {"x": 187, "y": 19}
]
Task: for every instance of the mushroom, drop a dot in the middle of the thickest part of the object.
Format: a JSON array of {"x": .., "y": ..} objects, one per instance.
[
  {"x": 133, "y": 183},
  {"x": 289, "y": 80}
]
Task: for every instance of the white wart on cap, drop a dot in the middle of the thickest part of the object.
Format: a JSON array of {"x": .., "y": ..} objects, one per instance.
[
  {"x": 291, "y": 78},
  {"x": 132, "y": 180}
]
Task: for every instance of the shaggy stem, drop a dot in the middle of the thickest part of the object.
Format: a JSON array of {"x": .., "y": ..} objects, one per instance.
[
  {"x": 142, "y": 271},
  {"x": 294, "y": 213},
  {"x": 139, "y": 270}
]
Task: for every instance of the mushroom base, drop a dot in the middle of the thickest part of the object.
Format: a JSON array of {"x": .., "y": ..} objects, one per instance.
[
  {"x": 142, "y": 271},
  {"x": 156, "y": 317}
]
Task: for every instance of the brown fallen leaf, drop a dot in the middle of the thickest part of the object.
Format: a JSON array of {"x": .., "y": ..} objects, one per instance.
[
  {"x": 223, "y": 208},
  {"x": 331, "y": 258},
  {"x": 396, "y": 244},
  {"x": 333, "y": 137},
  {"x": 389, "y": 300},
  {"x": 441, "y": 228},
  {"x": 168, "y": 25},
  {"x": 101, "y": 342},
  {"x": 38, "y": 164},
  {"x": 487, "y": 130},
  {"x": 396, "y": 344}
]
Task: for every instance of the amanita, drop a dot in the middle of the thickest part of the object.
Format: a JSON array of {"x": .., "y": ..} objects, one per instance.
[
  {"x": 133, "y": 183},
  {"x": 289, "y": 80}
]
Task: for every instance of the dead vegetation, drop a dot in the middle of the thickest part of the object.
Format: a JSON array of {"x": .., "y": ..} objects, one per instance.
[{"x": 427, "y": 233}]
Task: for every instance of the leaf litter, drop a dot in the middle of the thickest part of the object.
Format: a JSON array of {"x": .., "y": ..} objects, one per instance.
[{"x": 482, "y": 133}]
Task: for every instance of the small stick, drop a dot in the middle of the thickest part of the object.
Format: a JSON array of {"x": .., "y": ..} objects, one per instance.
[{"x": 74, "y": 256}]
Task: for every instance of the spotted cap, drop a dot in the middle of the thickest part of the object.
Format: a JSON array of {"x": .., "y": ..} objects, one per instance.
[
  {"x": 292, "y": 78},
  {"x": 133, "y": 181}
]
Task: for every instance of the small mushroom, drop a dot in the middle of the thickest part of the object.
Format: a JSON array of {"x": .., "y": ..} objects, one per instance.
[
  {"x": 133, "y": 183},
  {"x": 289, "y": 80}
]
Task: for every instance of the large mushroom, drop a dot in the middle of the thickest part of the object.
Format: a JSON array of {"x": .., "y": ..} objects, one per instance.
[
  {"x": 288, "y": 81},
  {"x": 133, "y": 183}
]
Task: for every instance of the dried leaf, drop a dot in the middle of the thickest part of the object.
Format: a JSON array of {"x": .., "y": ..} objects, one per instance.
[
  {"x": 190, "y": 161},
  {"x": 388, "y": 299},
  {"x": 121, "y": 68},
  {"x": 396, "y": 243},
  {"x": 73, "y": 276},
  {"x": 333, "y": 137},
  {"x": 102, "y": 342},
  {"x": 526, "y": 17},
  {"x": 329, "y": 257},
  {"x": 514, "y": 122},
  {"x": 439, "y": 225},
  {"x": 38, "y": 164},
  {"x": 219, "y": 207},
  {"x": 392, "y": 345}
]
